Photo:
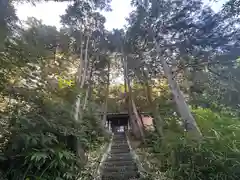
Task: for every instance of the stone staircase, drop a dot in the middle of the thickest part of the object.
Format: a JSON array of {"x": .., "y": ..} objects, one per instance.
[{"x": 119, "y": 163}]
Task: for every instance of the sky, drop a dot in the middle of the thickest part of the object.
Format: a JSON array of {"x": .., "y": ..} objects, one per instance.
[{"x": 49, "y": 12}]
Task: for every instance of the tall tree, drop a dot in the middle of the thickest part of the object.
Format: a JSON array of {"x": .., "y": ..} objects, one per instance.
[{"x": 188, "y": 35}]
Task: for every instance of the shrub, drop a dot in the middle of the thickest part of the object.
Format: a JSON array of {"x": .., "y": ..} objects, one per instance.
[
  {"x": 216, "y": 157},
  {"x": 41, "y": 142}
]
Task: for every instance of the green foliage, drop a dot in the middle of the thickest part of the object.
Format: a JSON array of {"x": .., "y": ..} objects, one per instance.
[
  {"x": 40, "y": 138},
  {"x": 38, "y": 146},
  {"x": 41, "y": 142},
  {"x": 94, "y": 136},
  {"x": 214, "y": 157}
]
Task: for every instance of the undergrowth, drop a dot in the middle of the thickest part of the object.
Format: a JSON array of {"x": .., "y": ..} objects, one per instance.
[
  {"x": 215, "y": 157},
  {"x": 40, "y": 142}
]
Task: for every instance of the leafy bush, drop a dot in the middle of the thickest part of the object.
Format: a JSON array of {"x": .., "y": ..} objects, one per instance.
[
  {"x": 215, "y": 157},
  {"x": 41, "y": 142}
]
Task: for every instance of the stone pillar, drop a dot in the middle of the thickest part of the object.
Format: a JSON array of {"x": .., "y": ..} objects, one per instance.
[
  {"x": 106, "y": 124},
  {"x": 109, "y": 126}
]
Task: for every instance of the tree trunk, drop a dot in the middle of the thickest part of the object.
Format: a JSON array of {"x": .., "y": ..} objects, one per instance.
[
  {"x": 156, "y": 115},
  {"x": 148, "y": 91},
  {"x": 125, "y": 79},
  {"x": 80, "y": 67},
  {"x": 106, "y": 96},
  {"x": 78, "y": 114},
  {"x": 139, "y": 119},
  {"x": 184, "y": 111},
  {"x": 125, "y": 89},
  {"x": 126, "y": 86},
  {"x": 85, "y": 64},
  {"x": 86, "y": 97},
  {"x": 132, "y": 108},
  {"x": 80, "y": 106},
  {"x": 89, "y": 88}
]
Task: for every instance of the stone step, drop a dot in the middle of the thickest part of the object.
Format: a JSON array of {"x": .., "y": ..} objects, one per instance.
[
  {"x": 121, "y": 176},
  {"x": 119, "y": 142},
  {"x": 125, "y": 146},
  {"x": 119, "y": 139},
  {"x": 119, "y": 136},
  {"x": 119, "y": 155},
  {"x": 117, "y": 158},
  {"x": 119, "y": 133},
  {"x": 120, "y": 150},
  {"x": 120, "y": 168},
  {"x": 118, "y": 163}
]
